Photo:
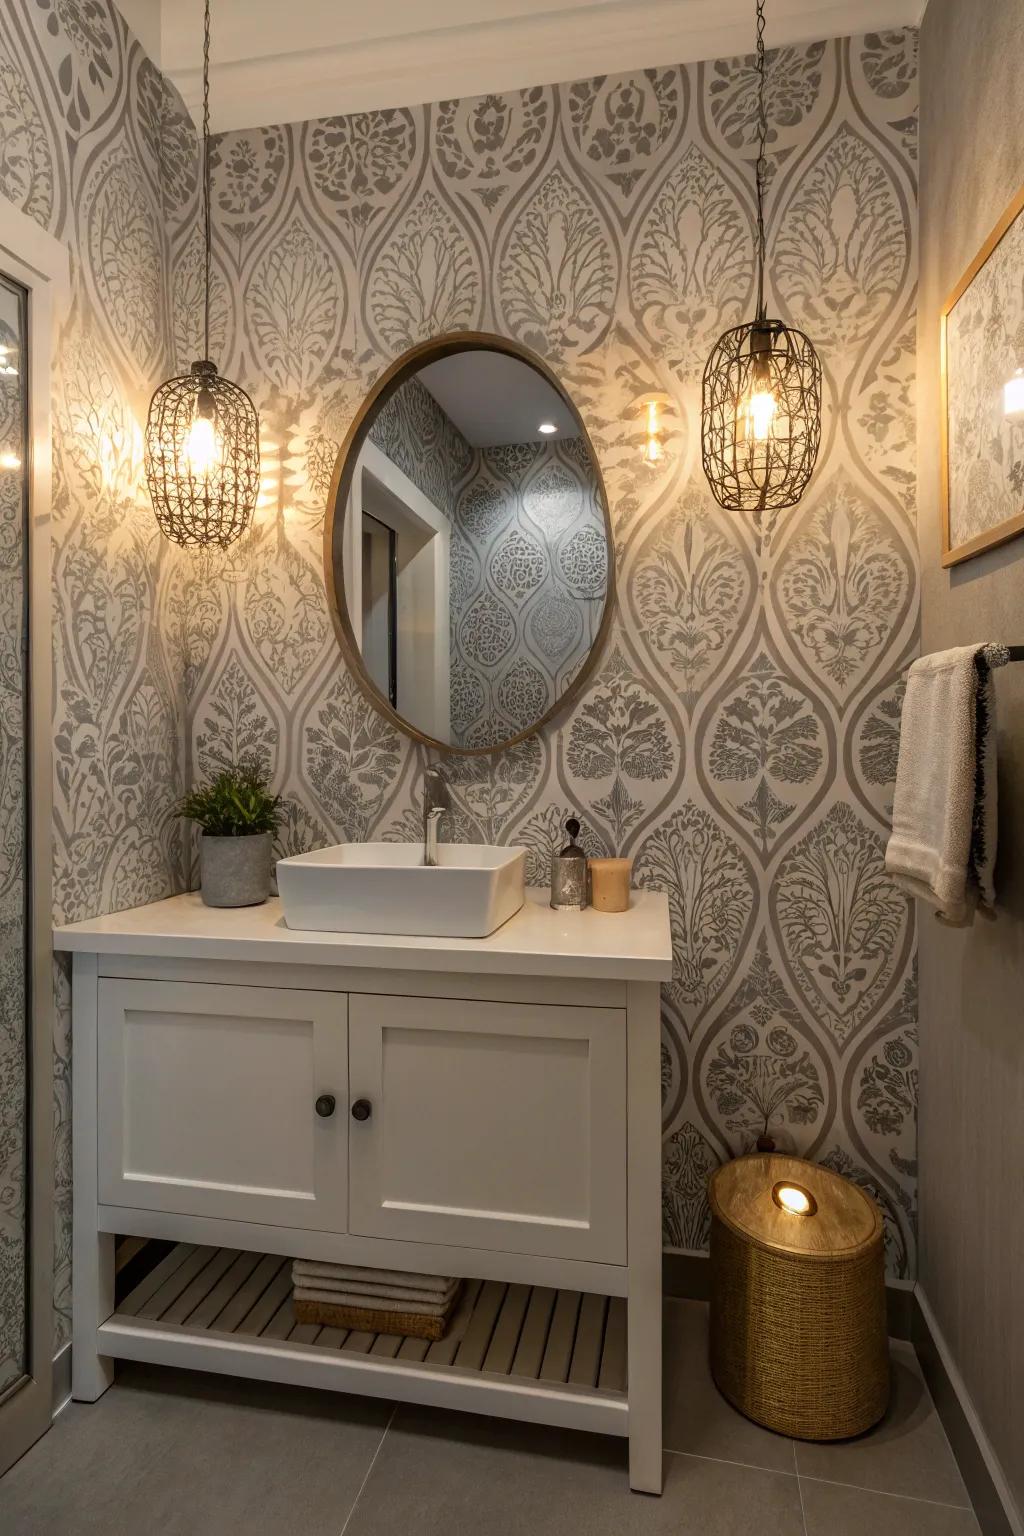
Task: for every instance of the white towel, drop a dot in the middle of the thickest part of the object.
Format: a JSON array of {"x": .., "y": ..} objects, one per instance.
[
  {"x": 943, "y": 842},
  {"x": 360, "y": 1275},
  {"x": 409, "y": 1298},
  {"x": 372, "y": 1303}
]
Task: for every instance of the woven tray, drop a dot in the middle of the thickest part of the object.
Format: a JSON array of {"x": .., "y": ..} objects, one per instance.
[{"x": 411, "y": 1325}]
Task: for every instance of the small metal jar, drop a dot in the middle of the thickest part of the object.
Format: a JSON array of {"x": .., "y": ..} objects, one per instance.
[{"x": 569, "y": 873}]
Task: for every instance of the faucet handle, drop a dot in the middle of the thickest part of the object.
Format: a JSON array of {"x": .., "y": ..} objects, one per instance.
[{"x": 435, "y": 789}]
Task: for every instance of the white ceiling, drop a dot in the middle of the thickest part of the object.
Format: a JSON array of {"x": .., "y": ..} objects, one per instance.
[
  {"x": 287, "y": 60},
  {"x": 495, "y": 399}
]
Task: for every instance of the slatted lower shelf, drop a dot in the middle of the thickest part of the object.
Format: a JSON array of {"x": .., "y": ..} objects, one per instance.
[{"x": 517, "y": 1351}]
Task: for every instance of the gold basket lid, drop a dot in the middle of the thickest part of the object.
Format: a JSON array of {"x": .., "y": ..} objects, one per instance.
[{"x": 791, "y": 1206}]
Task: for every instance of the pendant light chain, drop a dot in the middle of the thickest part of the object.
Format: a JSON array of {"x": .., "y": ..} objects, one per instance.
[
  {"x": 761, "y": 391},
  {"x": 208, "y": 226},
  {"x": 203, "y": 432},
  {"x": 761, "y": 169}
]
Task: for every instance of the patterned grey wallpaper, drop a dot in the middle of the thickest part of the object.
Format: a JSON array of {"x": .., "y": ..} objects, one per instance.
[
  {"x": 739, "y": 737},
  {"x": 13, "y": 812},
  {"x": 424, "y": 442},
  {"x": 95, "y": 149},
  {"x": 529, "y": 574},
  {"x": 528, "y": 563}
]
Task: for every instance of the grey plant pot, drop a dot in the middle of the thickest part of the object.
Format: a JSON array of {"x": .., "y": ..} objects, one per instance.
[{"x": 235, "y": 871}]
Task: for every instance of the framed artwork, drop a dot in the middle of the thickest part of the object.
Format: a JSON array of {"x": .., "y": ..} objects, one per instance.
[{"x": 982, "y": 362}]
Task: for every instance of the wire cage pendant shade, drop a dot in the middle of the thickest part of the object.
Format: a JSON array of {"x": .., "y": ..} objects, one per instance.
[
  {"x": 202, "y": 432},
  {"x": 761, "y": 417},
  {"x": 202, "y": 458},
  {"x": 761, "y": 396}
]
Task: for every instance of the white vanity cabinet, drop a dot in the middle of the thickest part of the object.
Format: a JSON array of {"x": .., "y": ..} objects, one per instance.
[
  {"x": 493, "y": 1125},
  {"x": 203, "y": 1101},
  {"x": 488, "y": 1109}
]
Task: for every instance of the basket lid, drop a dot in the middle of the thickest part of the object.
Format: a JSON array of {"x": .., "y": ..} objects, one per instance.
[{"x": 793, "y": 1206}]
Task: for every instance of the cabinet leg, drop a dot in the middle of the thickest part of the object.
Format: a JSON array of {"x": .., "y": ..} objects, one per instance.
[
  {"x": 93, "y": 1286},
  {"x": 643, "y": 1300},
  {"x": 644, "y": 1368}
]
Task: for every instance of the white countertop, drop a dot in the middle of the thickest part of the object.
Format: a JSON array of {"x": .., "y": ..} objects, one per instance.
[{"x": 622, "y": 946}]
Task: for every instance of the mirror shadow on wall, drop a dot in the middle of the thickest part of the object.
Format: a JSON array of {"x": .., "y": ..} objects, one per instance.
[{"x": 468, "y": 550}]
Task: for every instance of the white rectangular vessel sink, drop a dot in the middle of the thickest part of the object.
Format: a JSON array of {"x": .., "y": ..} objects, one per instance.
[{"x": 386, "y": 888}]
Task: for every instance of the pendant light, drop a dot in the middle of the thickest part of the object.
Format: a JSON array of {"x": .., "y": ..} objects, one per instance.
[
  {"x": 761, "y": 411},
  {"x": 203, "y": 433}
]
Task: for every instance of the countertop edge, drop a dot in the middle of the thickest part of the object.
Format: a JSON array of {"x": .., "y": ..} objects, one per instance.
[
  {"x": 490, "y": 963},
  {"x": 347, "y": 951}
]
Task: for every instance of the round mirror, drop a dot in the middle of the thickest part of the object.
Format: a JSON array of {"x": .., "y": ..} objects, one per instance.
[{"x": 467, "y": 546}]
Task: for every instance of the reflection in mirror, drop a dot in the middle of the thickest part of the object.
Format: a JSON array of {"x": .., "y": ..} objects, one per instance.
[{"x": 469, "y": 545}]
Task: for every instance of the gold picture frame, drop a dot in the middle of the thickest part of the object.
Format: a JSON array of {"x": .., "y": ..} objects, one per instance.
[{"x": 958, "y": 542}]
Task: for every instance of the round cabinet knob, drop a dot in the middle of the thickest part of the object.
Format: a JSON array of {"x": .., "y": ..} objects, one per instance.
[
  {"x": 362, "y": 1109},
  {"x": 325, "y": 1105}
]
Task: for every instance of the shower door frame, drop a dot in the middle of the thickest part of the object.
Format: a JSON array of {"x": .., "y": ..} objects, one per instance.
[{"x": 38, "y": 263}]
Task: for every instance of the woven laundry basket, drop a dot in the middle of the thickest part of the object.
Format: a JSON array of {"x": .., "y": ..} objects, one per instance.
[{"x": 798, "y": 1324}]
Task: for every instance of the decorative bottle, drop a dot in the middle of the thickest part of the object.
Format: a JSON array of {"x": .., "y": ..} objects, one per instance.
[{"x": 569, "y": 873}]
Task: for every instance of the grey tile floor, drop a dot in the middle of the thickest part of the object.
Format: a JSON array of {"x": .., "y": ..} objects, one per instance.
[{"x": 190, "y": 1455}]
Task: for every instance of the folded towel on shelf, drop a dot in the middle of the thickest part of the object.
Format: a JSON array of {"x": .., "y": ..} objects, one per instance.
[
  {"x": 358, "y": 1275},
  {"x": 943, "y": 842},
  {"x": 376, "y": 1303},
  {"x": 372, "y": 1293}
]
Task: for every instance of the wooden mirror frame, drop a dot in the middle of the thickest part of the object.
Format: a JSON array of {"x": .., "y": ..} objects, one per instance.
[{"x": 403, "y": 368}]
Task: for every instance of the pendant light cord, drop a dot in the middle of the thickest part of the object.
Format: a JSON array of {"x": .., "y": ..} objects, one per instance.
[
  {"x": 208, "y": 234},
  {"x": 761, "y": 170}
]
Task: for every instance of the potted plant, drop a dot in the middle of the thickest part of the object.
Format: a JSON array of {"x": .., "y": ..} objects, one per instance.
[{"x": 238, "y": 817}]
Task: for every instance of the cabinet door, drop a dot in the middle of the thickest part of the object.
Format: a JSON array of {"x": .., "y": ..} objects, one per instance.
[
  {"x": 207, "y": 1101},
  {"x": 491, "y": 1125}
]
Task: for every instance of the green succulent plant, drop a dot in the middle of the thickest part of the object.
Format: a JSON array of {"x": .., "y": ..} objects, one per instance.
[{"x": 237, "y": 803}]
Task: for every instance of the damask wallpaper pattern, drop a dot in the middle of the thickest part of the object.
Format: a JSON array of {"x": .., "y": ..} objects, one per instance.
[
  {"x": 13, "y": 815},
  {"x": 423, "y": 441},
  {"x": 94, "y": 148},
  {"x": 529, "y": 575},
  {"x": 528, "y": 563},
  {"x": 739, "y": 736}
]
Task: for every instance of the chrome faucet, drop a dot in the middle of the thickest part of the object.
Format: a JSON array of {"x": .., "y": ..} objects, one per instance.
[{"x": 436, "y": 801}]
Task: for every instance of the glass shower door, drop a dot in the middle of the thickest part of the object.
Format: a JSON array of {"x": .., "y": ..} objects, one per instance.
[{"x": 14, "y": 852}]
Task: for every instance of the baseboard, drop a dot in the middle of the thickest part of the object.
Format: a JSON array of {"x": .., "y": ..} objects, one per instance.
[
  {"x": 61, "y": 1379},
  {"x": 991, "y": 1495},
  {"x": 685, "y": 1273}
]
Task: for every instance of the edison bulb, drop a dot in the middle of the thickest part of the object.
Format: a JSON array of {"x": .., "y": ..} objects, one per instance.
[
  {"x": 653, "y": 451},
  {"x": 202, "y": 446},
  {"x": 757, "y": 415}
]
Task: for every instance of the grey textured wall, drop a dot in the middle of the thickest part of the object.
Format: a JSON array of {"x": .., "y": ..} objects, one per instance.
[
  {"x": 738, "y": 737},
  {"x": 972, "y": 982},
  {"x": 92, "y": 146}
]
